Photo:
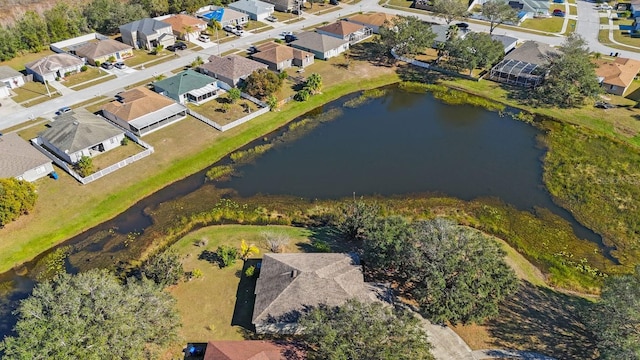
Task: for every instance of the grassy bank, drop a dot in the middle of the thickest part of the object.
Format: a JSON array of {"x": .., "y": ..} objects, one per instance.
[{"x": 99, "y": 201}]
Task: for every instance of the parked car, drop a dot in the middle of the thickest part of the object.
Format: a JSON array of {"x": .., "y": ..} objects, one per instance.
[
  {"x": 239, "y": 27},
  {"x": 237, "y": 32},
  {"x": 462, "y": 26},
  {"x": 252, "y": 49},
  {"x": 228, "y": 28},
  {"x": 120, "y": 65},
  {"x": 296, "y": 12},
  {"x": 285, "y": 33},
  {"x": 271, "y": 18},
  {"x": 558, "y": 12},
  {"x": 204, "y": 38},
  {"x": 63, "y": 110},
  {"x": 604, "y": 105},
  {"x": 177, "y": 46},
  {"x": 333, "y": 2},
  {"x": 107, "y": 65},
  {"x": 290, "y": 38}
]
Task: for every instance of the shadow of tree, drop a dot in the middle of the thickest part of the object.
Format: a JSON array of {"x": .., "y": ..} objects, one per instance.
[
  {"x": 245, "y": 300},
  {"x": 372, "y": 52},
  {"x": 542, "y": 320},
  {"x": 211, "y": 257}
]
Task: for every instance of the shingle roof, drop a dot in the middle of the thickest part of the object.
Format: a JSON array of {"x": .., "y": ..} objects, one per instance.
[
  {"x": 341, "y": 28},
  {"x": 8, "y": 73},
  {"x": 232, "y": 66},
  {"x": 53, "y": 63},
  {"x": 136, "y": 103},
  {"x": 246, "y": 350},
  {"x": 145, "y": 26},
  {"x": 532, "y": 52},
  {"x": 289, "y": 283},
  {"x": 100, "y": 48},
  {"x": 78, "y": 130},
  {"x": 504, "y": 39},
  {"x": 317, "y": 42},
  {"x": 181, "y": 21},
  {"x": 620, "y": 72},
  {"x": 375, "y": 19},
  {"x": 252, "y": 6},
  {"x": 279, "y": 53},
  {"x": 17, "y": 156},
  {"x": 183, "y": 82}
]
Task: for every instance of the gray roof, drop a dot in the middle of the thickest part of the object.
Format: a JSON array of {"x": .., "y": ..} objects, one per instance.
[
  {"x": 251, "y": 6},
  {"x": 504, "y": 39},
  {"x": 17, "y": 156},
  {"x": 8, "y": 73},
  {"x": 441, "y": 32},
  {"x": 146, "y": 26},
  {"x": 232, "y": 66},
  {"x": 78, "y": 130},
  {"x": 532, "y": 52},
  {"x": 290, "y": 283},
  {"x": 53, "y": 63},
  {"x": 317, "y": 42}
]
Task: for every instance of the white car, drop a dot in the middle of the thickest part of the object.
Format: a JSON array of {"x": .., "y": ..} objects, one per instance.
[
  {"x": 271, "y": 18},
  {"x": 285, "y": 33},
  {"x": 204, "y": 38},
  {"x": 237, "y": 32},
  {"x": 228, "y": 28}
]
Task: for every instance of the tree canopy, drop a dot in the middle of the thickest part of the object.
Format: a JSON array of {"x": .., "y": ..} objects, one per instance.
[
  {"x": 615, "y": 319},
  {"x": 407, "y": 35},
  {"x": 262, "y": 83},
  {"x": 571, "y": 76},
  {"x": 454, "y": 273},
  {"x": 498, "y": 12},
  {"x": 17, "y": 197},
  {"x": 450, "y": 10},
  {"x": 89, "y": 315},
  {"x": 365, "y": 332},
  {"x": 475, "y": 50},
  {"x": 164, "y": 268},
  {"x": 355, "y": 218}
]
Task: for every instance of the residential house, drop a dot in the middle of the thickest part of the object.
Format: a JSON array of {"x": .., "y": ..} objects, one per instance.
[
  {"x": 9, "y": 79},
  {"x": 246, "y": 350},
  {"x": 373, "y": 21},
  {"x": 526, "y": 9},
  {"x": 634, "y": 7},
  {"x": 524, "y": 65},
  {"x": 147, "y": 34},
  {"x": 616, "y": 76},
  {"x": 346, "y": 30},
  {"x": 225, "y": 16},
  {"x": 231, "y": 69},
  {"x": 54, "y": 66},
  {"x": 286, "y": 5},
  {"x": 508, "y": 43},
  {"x": 289, "y": 284},
  {"x": 442, "y": 34},
  {"x": 143, "y": 111},
  {"x": 186, "y": 27},
  {"x": 80, "y": 133},
  {"x": 279, "y": 57},
  {"x": 100, "y": 51},
  {"x": 322, "y": 46},
  {"x": 189, "y": 86},
  {"x": 20, "y": 160},
  {"x": 256, "y": 9}
]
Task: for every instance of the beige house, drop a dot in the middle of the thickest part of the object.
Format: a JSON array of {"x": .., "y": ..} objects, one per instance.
[
  {"x": 20, "y": 160},
  {"x": 9, "y": 79},
  {"x": 147, "y": 34},
  {"x": 99, "y": 51},
  {"x": 231, "y": 69},
  {"x": 279, "y": 57},
  {"x": 373, "y": 20},
  {"x": 616, "y": 76},
  {"x": 345, "y": 30},
  {"x": 186, "y": 27},
  {"x": 54, "y": 66}
]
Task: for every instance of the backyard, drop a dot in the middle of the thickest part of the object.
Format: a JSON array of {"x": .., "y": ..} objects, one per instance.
[
  {"x": 115, "y": 155},
  {"x": 222, "y": 111}
]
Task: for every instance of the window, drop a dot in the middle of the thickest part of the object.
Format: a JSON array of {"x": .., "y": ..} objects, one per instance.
[{"x": 40, "y": 170}]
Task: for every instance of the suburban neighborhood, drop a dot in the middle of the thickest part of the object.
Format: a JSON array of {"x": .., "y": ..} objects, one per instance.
[{"x": 105, "y": 105}]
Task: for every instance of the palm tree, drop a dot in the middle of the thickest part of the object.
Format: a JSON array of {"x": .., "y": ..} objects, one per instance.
[{"x": 247, "y": 250}]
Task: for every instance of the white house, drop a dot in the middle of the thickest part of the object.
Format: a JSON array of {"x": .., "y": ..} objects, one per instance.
[
  {"x": 20, "y": 160},
  {"x": 147, "y": 34},
  {"x": 9, "y": 79},
  {"x": 54, "y": 66},
  {"x": 256, "y": 9},
  {"x": 320, "y": 45}
]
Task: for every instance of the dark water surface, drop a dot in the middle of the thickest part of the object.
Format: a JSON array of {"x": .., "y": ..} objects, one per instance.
[{"x": 401, "y": 143}]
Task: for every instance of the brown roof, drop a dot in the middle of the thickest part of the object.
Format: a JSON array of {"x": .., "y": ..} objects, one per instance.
[
  {"x": 180, "y": 22},
  {"x": 232, "y": 66},
  {"x": 342, "y": 28},
  {"x": 279, "y": 53},
  {"x": 620, "y": 72},
  {"x": 137, "y": 102},
  {"x": 250, "y": 350},
  {"x": 376, "y": 19},
  {"x": 17, "y": 156},
  {"x": 97, "y": 49}
]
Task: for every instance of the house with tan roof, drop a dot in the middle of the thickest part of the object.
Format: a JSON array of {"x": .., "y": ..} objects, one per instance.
[
  {"x": 54, "y": 66},
  {"x": 245, "y": 350},
  {"x": 616, "y": 76},
  {"x": 231, "y": 69},
  {"x": 346, "y": 30},
  {"x": 290, "y": 284},
  {"x": 320, "y": 45},
  {"x": 185, "y": 27},
  {"x": 99, "y": 51},
  {"x": 20, "y": 160},
  {"x": 279, "y": 57},
  {"x": 372, "y": 20},
  {"x": 143, "y": 111}
]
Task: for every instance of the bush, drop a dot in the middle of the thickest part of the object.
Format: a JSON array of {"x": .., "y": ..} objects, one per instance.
[
  {"x": 84, "y": 166},
  {"x": 17, "y": 197},
  {"x": 84, "y": 68},
  {"x": 125, "y": 141},
  {"x": 197, "y": 273},
  {"x": 98, "y": 63},
  {"x": 283, "y": 75},
  {"x": 250, "y": 272},
  {"x": 164, "y": 269},
  {"x": 321, "y": 246},
  {"x": 302, "y": 95},
  {"x": 227, "y": 255}
]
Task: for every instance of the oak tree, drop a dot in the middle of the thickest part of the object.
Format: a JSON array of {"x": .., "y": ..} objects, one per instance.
[
  {"x": 406, "y": 35},
  {"x": 17, "y": 197},
  {"x": 450, "y": 10},
  {"x": 498, "y": 12}
]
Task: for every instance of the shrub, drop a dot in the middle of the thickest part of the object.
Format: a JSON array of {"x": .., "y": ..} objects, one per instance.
[
  {"x": 17, "y": 197},
  {"x": 275, "y": 242},
  {"x": 321, "y": 246},
  {"x": 84, "y": 68},
  {"x": 227, "y": 255},
  {"x": 164, "y": 269},
  {"x": 250, "y": 272},
  {"x": 197, "y": 273},
  {"x": 200, "y": 243},
  {"x": 84, "y": 166},
  {"x": 98, "y": 63},
  {"x": 125, "y": 141},
  {"x": 283, "y": 75},
  {"x": 302, "y": 95},
  {"x": 112, "y": 59}
]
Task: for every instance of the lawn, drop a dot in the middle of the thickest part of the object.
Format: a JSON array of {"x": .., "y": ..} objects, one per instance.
[
  {"x": 84, "y": 76},
  {"x": 253, "y": 24},
  {"x": 624, "y": 38},
  {"x": 93, "y": 105},
  {"x": 603, "y": 38},
  {"x": 34, "y": 92},
  {"x": 571, "y": 26},
  {"x": 17, "y": 63},
  {"x": 605, "y": 21},
  {"x": 141, "y": 56},
  {"x": 94, "y": 82},
  {"x": 213, "y": 109},
  {"x": 552, "y": 24},
  {"x": 116, "y": 155},
  {"x": 400, "y": 3}
]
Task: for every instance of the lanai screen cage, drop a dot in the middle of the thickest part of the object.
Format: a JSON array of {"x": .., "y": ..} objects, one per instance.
[{"x": 515, "y": 72}]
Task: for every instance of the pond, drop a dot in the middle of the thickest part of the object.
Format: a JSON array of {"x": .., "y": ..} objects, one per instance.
[{"x": 401, "y": 143}]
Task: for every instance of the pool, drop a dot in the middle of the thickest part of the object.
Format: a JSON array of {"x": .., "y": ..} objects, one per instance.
[{"x": 213, "y": 15}]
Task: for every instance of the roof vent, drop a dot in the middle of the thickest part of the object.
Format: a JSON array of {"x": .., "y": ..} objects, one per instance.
[
  {"x": 75, "y": 123},
  {"x": 294, "y": 273}
]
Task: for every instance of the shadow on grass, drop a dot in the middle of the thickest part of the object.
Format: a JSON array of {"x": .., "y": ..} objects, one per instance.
[
  {"x": 245, "y": 299},
  {"x": 542, "y": 320}
]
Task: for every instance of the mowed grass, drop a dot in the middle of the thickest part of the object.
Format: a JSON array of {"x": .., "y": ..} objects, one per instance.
[
  {"x": 552, "y": 24},
  {"x": 33, "y": 90},
  {"x": 624, "y": 38},
  {"x": 219, "y": 306},
  {"x": 213, "y": 109},
  {"x": 78, "y": 78}
]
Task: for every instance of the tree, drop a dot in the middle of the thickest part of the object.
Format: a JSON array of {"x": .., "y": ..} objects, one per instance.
[
  {"x": 498, "y": 12},
  {"x": 17, "y": 197},
  {"x": 450, "y": 10},
  {"x": 571, "y": 76},
  {"x": 615, "y": 319},
  {"x": 247, "y": 250},
  {"x": 314, "y": 83},
  {"x": 155, "y": 7},
  {"x": 272, "y": 102},
  {"x": 406, "y": 35},
  {"x": 302, "y": 95},
  {"x": 106, "y": 16},
  {"x": 158, "y": 49},
  {"x": 363, "y": 331},
  {"x": 84, "y": 166},
  {"x": 91, "y": 314},
  {"x": 64, "y": 22},
  {"x": 32, "y": 32},
  {"x": 164, "y": 269},
  {"x": 454, "y": 273},
  {"x": 356, "y": 218},
  {"x": 197, "y": 62},
  {"x": 262, "y": 83},
  {"x": 227, "y": 255},
  {"x": 234, "y": 94},
  {"x": 475, "y": 50},
  {"x": 9, "y": 45}
]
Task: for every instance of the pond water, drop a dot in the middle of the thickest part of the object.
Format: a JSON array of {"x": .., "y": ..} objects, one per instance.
[{"x": 402, "y": 143}]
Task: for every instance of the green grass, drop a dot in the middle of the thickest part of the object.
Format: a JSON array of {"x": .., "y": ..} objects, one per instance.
[
  {"x": 624, "y": 38},
  {"x": 551, "y": 25},
  {"x": 139, "y": 83},
  {"x": 34, "y": 92},
  {"x": 571, "y": 26},
  {"x": 401, "y": 3},
  {"x": 573, "y": 10},
  {"x": 81, "y": 77},
  {"x": 605, "y": 20},
  {"x": 603, "y": 38},
  {"x": 141, "y": 56},
  {"x": 17, "y": 63},
  {"x": 93, "y": 83}
]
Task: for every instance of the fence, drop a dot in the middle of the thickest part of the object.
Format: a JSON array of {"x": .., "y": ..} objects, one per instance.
[{"x": 100, "y": 173}]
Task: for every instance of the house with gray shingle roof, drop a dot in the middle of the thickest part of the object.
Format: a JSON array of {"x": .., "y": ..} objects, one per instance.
[
  {"x": 290, "y": 284},
  {"x": 322, "y": 46},
  {"x": 54, "y": 66},
  {"x": 231, "y": 69},
  {"x": 189, "y": 86},
  {"x": 80, "y": 133},
  {"x": 525, "y": 65},
  {"x": 147, "y": 34},
  {"x": 20, "y": 160},
  {"x": 102, "y": 50},
  {"x": 9, "y": 79},
  {"x": 256, "y": 9},
  {"x": 279, "y": 57}
]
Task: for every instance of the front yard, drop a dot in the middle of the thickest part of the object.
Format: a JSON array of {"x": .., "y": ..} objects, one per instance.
[
  {"x": 222, "y": 111},
  {"x": 33, "y": 92},
  {"x": 552, "y": 24},
  {"x": 78, "y": 78}
]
